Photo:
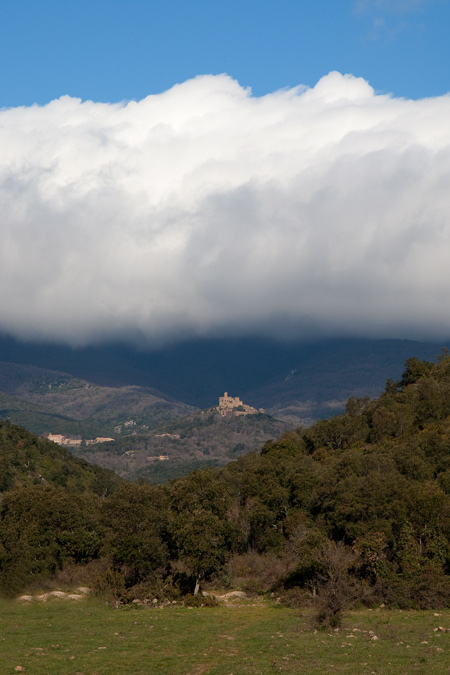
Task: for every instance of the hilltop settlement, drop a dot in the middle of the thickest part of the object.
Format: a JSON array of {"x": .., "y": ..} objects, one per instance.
[{"x": 229, "y": 406}]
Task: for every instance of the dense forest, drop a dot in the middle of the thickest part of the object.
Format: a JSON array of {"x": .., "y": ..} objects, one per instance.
[{"x": 353, "y": 509}]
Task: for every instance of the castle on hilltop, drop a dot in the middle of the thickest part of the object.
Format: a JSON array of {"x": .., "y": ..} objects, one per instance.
[{"x": 229, "y": 405}]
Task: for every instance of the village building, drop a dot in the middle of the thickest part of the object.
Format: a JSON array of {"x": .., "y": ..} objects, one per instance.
[
  {"x": 56, "y": 438},
  {"x": 73, "y": 442},
  {"x": 228, "y": 402},
  {"x": 60, "y": 439},
  {"x": 229, "y": 405}
]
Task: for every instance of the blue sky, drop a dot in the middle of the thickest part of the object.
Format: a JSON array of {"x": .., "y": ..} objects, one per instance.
[{"x": 111, "y": 50}]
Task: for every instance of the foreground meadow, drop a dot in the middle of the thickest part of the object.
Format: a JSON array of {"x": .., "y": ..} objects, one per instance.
[{"x": 90, "y": 638}]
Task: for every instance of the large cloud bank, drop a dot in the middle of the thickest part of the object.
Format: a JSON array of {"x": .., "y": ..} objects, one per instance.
[{"x": 204, "y": 210}]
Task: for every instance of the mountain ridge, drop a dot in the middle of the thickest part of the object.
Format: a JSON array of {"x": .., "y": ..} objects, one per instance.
[
  {"x": 196, "y": 372},
  {"x": 295, "y": 384},
  {"x": 58, "y": 402}
]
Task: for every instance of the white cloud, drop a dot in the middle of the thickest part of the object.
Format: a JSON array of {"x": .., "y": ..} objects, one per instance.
[
  {"x": 204, "y": 209},
  {"x": 394, "y": 6},
  {"x": 389, "y": 19}
]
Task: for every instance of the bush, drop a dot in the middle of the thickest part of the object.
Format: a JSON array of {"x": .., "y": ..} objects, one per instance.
[
  {"x": 336, "y": 590},
  {"x": 110, "y": 585},
  {"x": 199, "y": 601},
  {"x": 295, "y": 598},
  {"x": 258, "y": 572}
]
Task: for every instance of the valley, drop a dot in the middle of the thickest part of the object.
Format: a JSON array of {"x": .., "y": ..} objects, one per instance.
[
  {"x": 351, "y": 511},
  {"x": 162, "y": 403}
]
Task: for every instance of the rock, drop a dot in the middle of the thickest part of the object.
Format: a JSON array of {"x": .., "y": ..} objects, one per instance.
[
  {"x": 226, "y": 597},
  {"x": 57, "y": 594},
  {"x": 26, "y": 598},
  {"x": 84, "y": 589},
  {"x": 75, "y": 596}
]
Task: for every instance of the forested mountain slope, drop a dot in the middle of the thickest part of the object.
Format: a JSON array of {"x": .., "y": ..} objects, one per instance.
[
  {"x": 48, "y": 401},
  {"x": 202, "y": 439},
  {"x": 26, "y": 460},
  {"x": 296, "y": 381},
  {"x": 357, "y": 506}
]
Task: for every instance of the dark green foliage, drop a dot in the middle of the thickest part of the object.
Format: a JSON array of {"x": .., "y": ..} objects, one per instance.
[
  {"x": 357, "y": 506},
  {"x": 40, "y": 529},
  {"x": 136, "y": 519},
  {"x": 415, "y": 370},
  {"x": 158, "y": 473},
  {"x": 337, "y": 433},
  {"x": 49, "y": 401},
  {"x": 199, "y": 440},
  {"x": 202, "y": 534},
  {"x": 28, "y": 460}
]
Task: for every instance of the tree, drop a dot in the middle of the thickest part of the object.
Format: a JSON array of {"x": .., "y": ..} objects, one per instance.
[
  {"x": 203, "y": 542},
  {"x": 415, "y": 370},
  {"x": 40, "y": 529},
  {"x": 136, "y": 518},
  {"x": 336, "y": 588}
]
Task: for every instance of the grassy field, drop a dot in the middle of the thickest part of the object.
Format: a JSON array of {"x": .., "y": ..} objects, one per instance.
[{"x": 90, "y": 638}]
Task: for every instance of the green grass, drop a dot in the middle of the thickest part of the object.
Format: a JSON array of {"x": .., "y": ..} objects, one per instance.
[{"x": 90, "y": 638}]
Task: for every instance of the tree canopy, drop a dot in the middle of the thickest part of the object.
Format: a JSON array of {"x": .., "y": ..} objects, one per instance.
[{"x": 362, "y": 498}]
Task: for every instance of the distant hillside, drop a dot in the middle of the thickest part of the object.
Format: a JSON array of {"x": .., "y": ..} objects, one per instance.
[
  {"x": 26, "y": 460},
  {"x": 49, "y": 401},
  {"x": 199, "y": 440},
  {"x": 354, "y": 509},
  {"x": 38, "y": 419},
  {"x": 300, "y": 382},
  {"x": 320, "y": 383}
]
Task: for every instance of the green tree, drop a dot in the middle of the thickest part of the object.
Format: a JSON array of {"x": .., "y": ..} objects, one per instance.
[
  {"x": 136, "y": 517},
  {"x": 41, "y": 528},
  {"x": 203, "y": 542}
]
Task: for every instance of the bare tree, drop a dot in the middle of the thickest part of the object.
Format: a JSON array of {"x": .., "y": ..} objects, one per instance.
[{"x": 335, "y": 587}]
